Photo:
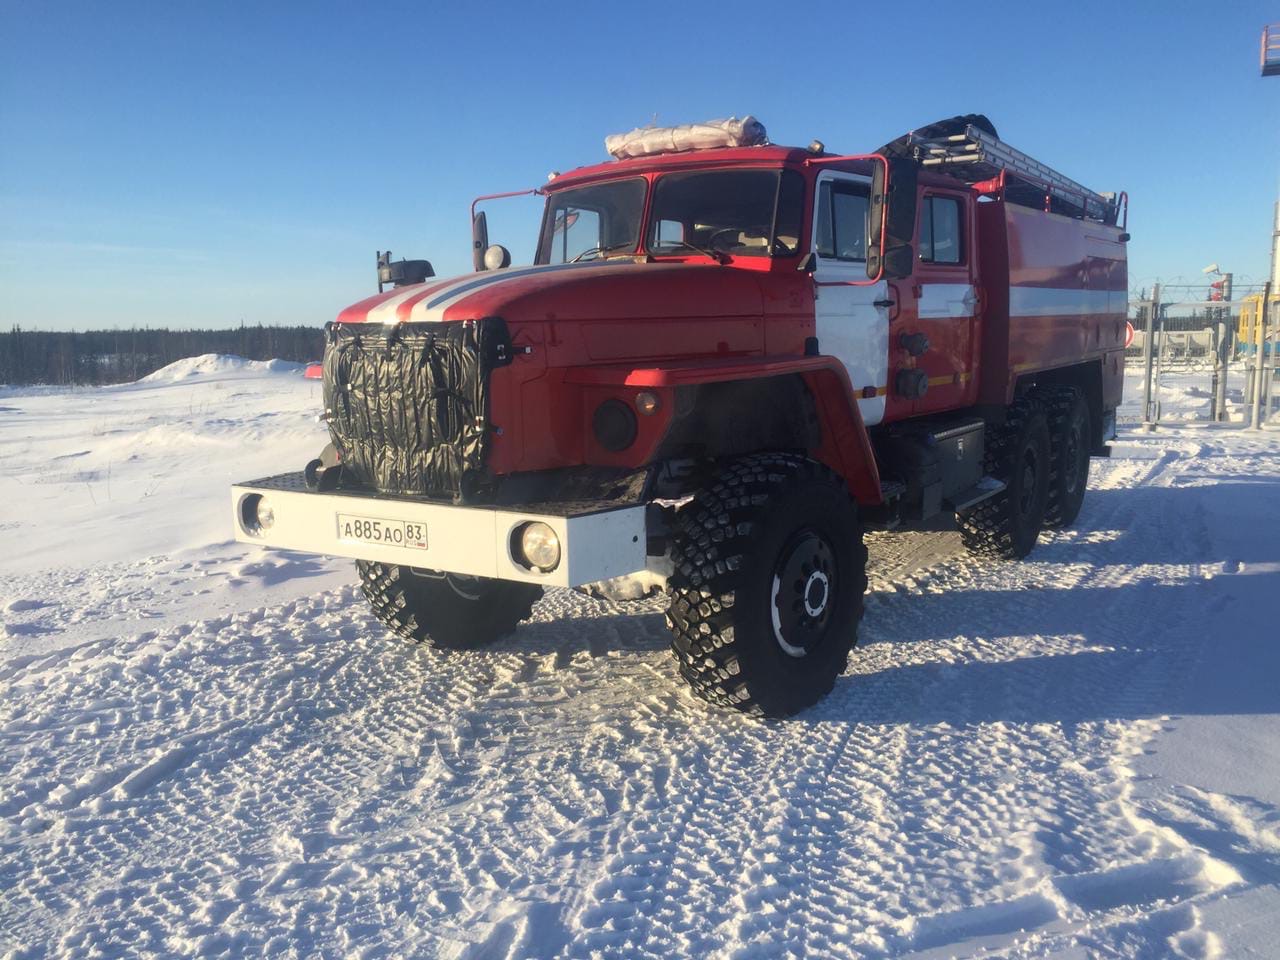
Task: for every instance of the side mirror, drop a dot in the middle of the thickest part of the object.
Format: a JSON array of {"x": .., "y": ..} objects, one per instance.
[
  {"x": 496, "y": 257},
  {"x": 479, "y": 240},
  {"x": 875, "y": 220},
  {"x": 900, "y": 219},
  {"x": 875, "y": 211},
  {"x": 891, "y": 220},
  {"x": 899, "y": 261}
]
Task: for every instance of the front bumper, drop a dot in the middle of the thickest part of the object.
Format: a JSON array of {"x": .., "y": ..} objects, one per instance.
[{"x": 598, "y": 540}]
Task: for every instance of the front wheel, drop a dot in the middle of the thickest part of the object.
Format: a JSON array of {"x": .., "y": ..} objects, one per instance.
[
  {"x": 770, "y": 572},
  {"x": 444, "y": 609}
]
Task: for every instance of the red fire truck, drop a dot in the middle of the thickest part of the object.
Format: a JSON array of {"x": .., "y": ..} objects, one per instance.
[{"x": 728, "y": 360}]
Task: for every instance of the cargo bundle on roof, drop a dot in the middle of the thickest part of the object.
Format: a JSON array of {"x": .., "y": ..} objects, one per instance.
[{"x": 646, "y": 141}]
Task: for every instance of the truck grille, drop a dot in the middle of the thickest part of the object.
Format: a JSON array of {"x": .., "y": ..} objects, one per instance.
[{"x": 408, "y": 405}]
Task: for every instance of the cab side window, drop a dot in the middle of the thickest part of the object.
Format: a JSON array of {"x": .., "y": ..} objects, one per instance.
[
  {"x": 842, "y": 220},
  {"x": 941, "y": 239}
]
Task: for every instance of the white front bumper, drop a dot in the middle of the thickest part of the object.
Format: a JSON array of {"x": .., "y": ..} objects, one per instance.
[{"x": 596, "y": 543}]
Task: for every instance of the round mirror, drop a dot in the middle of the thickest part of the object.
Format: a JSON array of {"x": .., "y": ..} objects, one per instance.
[{"x": 497, "y": 257}]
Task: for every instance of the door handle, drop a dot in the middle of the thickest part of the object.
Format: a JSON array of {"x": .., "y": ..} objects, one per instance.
[{"x": 883, "y": 303}]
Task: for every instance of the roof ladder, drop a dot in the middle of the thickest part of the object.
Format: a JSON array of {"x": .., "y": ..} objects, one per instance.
[
  {"x": 1271, "y": 50},
  {"x": 976, "y": 156}
]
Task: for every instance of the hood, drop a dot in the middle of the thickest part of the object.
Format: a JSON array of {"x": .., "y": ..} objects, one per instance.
[{"x": 596, "y": 289}]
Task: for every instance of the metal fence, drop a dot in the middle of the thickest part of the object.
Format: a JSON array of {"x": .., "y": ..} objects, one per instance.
[{"x": 1203, "y": 362}]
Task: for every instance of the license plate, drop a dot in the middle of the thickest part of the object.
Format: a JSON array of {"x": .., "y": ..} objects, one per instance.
[{"x": 387, "y": 533}]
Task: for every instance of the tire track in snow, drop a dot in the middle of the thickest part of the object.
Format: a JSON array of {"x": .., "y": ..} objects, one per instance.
[
  {"x": 767, "y": 931},
  {"x": 560, "y": 793},
  {"x": 1072, "y": 806}
]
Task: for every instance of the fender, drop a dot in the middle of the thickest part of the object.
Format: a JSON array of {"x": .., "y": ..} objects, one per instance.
[{"x": 845, "y": 447}]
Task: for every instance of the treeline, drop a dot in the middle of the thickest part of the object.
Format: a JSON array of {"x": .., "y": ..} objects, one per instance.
[{"x": 120, "y": 356}]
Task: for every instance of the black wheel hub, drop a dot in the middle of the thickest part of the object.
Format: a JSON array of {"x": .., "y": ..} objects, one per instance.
[
  {"x": 803, "y": 594},
  {"x": 1076, "y": 466},
  {"x": 467, "y": 587},
  {"x": 1027, "y": 487}
]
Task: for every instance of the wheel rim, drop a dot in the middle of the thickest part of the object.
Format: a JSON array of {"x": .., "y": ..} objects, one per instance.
[
  {"x": 803, "y": 594},
  {"x": 1027, "y": 487},
  {"x": 1077, "y": 466},
  {"x": 468, "y": 588}
]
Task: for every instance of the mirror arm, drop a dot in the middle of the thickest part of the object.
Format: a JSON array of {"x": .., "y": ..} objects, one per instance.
[
  {"x": 477, "y": 254},
  {"x": 502, "y": 196}
]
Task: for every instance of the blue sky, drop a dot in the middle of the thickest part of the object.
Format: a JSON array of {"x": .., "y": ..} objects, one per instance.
[{"x": 203, "y": 164}]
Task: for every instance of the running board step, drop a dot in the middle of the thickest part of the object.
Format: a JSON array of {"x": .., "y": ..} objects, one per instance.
[
  {"x": 984, "y": 489},
  {"x": 891, "y": 490}
]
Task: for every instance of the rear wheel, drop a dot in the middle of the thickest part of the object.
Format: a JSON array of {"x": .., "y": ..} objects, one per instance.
[
  {"x": 444, "y": 609},
  {"x": 1069, "y": 435},
  {"x": 770, "y": 571},
  {"x": 1007, "y": 525}
]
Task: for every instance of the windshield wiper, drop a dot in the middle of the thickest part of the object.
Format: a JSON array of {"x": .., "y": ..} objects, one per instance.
[
  {"x": 717, "y": 255},
  {"x": 601, "y": 251}
]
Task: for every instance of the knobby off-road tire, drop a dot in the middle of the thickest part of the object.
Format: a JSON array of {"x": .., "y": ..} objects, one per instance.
[
  {"x": 450, "y": 612},
  {"x": 1069, "y": 436},
  {"x": 770, "y": 572},
  {"x": 1007, "y": 525}
]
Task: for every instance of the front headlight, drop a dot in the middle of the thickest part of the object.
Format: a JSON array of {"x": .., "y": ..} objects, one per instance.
[
  {"x": 539, "y": 546},
  {"x": 265, "y": 514},
  {"x": 256, "y": 514}
]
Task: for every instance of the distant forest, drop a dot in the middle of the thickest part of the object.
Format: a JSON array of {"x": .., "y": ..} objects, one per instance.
[{"x": 120, "y": 356}]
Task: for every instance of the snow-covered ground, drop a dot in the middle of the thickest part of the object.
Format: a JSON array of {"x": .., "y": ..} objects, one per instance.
[{"x": 214, "y": 751}]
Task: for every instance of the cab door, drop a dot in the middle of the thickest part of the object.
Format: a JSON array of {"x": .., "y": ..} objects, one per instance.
[
  {"x": 852, "y": 314},
  {"x": 946, "y": 300}
]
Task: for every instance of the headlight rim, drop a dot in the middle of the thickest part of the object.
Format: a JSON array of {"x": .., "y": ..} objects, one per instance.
[{"x": 522, "y": 552}]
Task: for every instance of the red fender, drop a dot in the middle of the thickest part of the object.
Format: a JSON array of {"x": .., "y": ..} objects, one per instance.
[{"x": 845, "y": 446}]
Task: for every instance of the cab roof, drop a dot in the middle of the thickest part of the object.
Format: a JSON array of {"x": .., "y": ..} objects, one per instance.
[{"x": 768, "y": 155}]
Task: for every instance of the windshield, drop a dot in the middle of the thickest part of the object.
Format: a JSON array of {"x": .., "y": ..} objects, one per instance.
[
  {"x": 588, "y": 222},
  {"x": 744, "y": 213}
]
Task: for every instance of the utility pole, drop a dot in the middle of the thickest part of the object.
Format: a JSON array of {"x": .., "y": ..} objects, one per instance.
[
  {"x": 1269, "y": 362},
  {"x": 1270, "y": 64},
  {"x": 1275, "y": 249},
  {"x": 1148, "y": 356},
  {"x": 1222, "y": 346},
  {"x": 1260, "y": 339},
  {"x": 1253, "y": 358}
]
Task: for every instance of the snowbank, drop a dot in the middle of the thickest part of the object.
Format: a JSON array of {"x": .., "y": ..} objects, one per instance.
[
  {"x": 221, "y": 363},
  {"x": 99, "y": 474}
]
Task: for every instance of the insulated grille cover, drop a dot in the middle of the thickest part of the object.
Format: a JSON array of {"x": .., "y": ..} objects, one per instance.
[{"x": 408, "y": 405}]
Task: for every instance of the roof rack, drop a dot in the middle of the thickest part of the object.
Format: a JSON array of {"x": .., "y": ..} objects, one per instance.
[{"x": 978, "y": 158}]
